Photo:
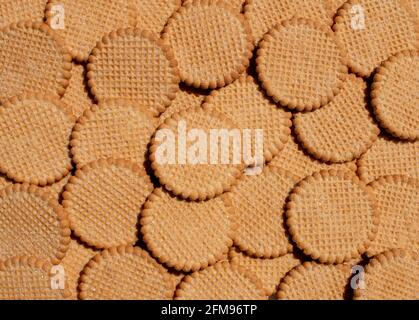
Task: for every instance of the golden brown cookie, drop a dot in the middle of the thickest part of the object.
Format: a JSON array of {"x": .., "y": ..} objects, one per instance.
[
  {"x": 184, "y": 100},
  {"x": 14, "y": 11},
  {"x": 189, "y": 162},
  {"x": 395, "y": 97},
  {"x": 124, "y": 272},
  {"x": 35, "y": 134},
  {"x": 389, "y": 157},
  {"x": 134, "y": 64},
  {"x": 392, "y": 275},
  {"x": 269, "y": 271},
  {"x": 112, "y": 129},
  {"x": 368, "y": 41},
  {"x": 76, "y": 258},
  {"x": 246, "y": 103},
  {"x": 259, "y": 202},
  {"x": 32, "y": 224},
  {"x": 222, "y": 281},
  {"x": 398, "y": 205},
  {"x": 264, "y": 14},
  {"x": 294, "y": 160},
  {"x": 103, "y": 202},
  {"x": 313, "y": 281},
  {"x": 208, "y": 56},
  {"x": 76, "y": 95},
  {"x": 332, "y": 216},
  {"x": 300, "y": 64},
  {"x": 30, "y": 278},
  {"x": 342, "y": 130},
  {"x": 33, "y": 59},
  {"x": 187, "y": 235},
  {"x": 85, "y": 22},
  {"x": 153, "y": 14}
]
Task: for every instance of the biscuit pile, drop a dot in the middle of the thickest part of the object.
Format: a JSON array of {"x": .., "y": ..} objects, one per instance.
[{"x": 87, "y": 210}]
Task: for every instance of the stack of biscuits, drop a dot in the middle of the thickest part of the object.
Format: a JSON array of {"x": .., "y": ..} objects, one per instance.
[{"x": 98, "y": 200}]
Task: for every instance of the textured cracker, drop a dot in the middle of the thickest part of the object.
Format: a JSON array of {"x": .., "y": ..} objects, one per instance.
[
  {"x": 247, "y": 104},
  {"x": 389, "y": 157},
  {"x": 35, "y": 134},
  {"x": 134, "y": 64},
  {"x": 313, "y": 281},
  {"x": 296, "y": 162},
  {"x": 269, "y": 271},
  {"x": 103, "y": 201},
  {"x": 187, "y": 235},
  {"x": 76, "y": 95},
  {"x": 183, "y": 101},
  {"x": 32, "y": 59},
  {"x": 87, "y": 21},
  {"x": 398, "y": 205},
  {"x": 153, "y": 14},
  {"x": 395, "y": 95},
  {"x": 264, "y": 14},
  {"x": 208, "y": 56},
  {"x": 127, "y": 273},
  {"x": 389, "y": 28},
  {"x": 28, "y": 278},
  {"x": 12, "y": 11},
  {"x": 343, "y": 129},
  {"x": 392, "y": 275},
  {"x": 76, "y": 258},
  {"x": 113, "y": 129},
  {"x": 259, "y": 203},
  {"x": 195, "y": 181},
  {"x": 300, "y": 64},
  {"x": 32, "y": 224},
  {"x": 332, "y": 216},
  {"x": 223, "y": 281}
]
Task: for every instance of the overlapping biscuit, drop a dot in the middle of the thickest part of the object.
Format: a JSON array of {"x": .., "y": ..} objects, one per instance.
[
  {"x": 14, "y": 11},
  {"x": 208, "y": 56}
]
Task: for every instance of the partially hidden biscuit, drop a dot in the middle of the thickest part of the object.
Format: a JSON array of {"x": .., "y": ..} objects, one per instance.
[
  {"x": 395, "y": 97},
  {"x": 32, "y": 224},
  {"x": 332, "y": 216},
  {"x": 342, "y": 130},
  {"x": 14, "y": 11},
  {"x": 294, "y": 160},
  {"x": 208, "y": 56},
  {"x": 188, "y": 155},
  {"x": 247, "y": 104},
  {"x": 223, "y": 281},
  {"x": 398, "y": 205},
  {"x": 259, "y": 202},
  {"x": 264, "y": 14},
  {"x": 368, "y": 41},
  {"x": 136, "y": 65},
  {"x": 112, "y": 129},
  {"x": 300, "y": 64},
  {"x": 153, "y": 14},
  {"x": 32, "y": 59},
  {"x": 391, "y": 275},
  {"x": 187, "y": 235},
  {"x": 184, "y": 100},
  {"x": 82, "y": 23},
  {"x": 35, "y": 132},
  {"x": 268, "y": 271},
  {"x": 30, "y": 278},
  {"x": 76, "y": 258},
  {"x": 76, "y": 96},
  {"x": 103, "y": 202},
  {"x": 314, "y": 281},
  {"x": 124, "y": 272},
  {"x": 389, "y": 157}
]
